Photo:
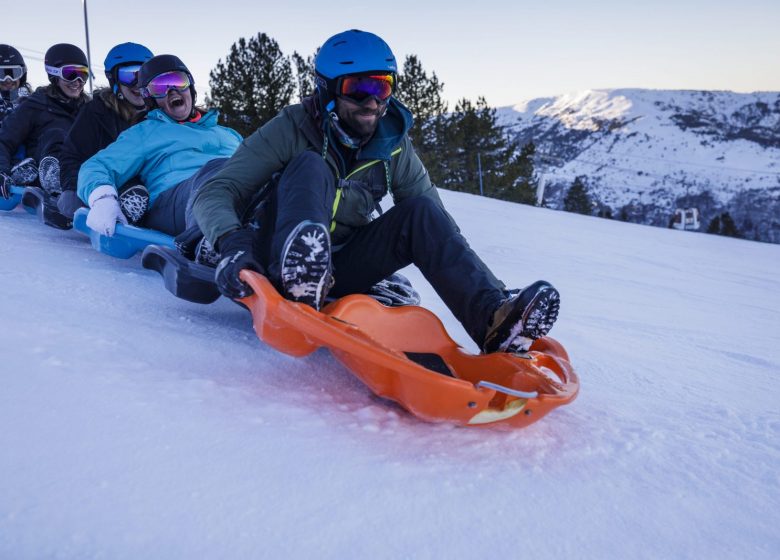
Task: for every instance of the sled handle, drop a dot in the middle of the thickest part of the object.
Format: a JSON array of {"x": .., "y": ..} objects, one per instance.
[{"x": 507, "y": 390}]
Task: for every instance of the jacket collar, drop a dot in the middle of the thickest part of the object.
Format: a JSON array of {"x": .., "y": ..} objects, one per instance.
[{"x": 208, "y": 120}]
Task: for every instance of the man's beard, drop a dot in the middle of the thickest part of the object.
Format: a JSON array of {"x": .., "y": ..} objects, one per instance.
[{"x": 358, "y": 129}]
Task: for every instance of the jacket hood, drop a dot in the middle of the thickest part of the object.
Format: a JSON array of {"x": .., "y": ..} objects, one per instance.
[{"x": 391, "y": 129}]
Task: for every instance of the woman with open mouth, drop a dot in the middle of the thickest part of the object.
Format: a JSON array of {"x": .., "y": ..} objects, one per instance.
[
  {"x": 173, "y": 152},
  {"x": 39, "y": 125},
  {"x": 112, "y": 111}
]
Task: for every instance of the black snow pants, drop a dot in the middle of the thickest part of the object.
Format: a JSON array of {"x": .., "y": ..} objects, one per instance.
[{"x": 415, "y": 231}]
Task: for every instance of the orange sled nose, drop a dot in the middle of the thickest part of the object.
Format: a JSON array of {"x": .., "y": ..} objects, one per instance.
[{"x": 405, "y": 354}]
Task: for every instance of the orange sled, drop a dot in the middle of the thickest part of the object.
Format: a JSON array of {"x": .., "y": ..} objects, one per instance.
[{"x": 405, "y": 354}]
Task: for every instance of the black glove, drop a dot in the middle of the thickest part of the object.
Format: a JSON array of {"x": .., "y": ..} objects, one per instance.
[
  {"x": 237, "y": 250},
  {"x": 5, "y": 186},
  {"x": 394, "y": 291},
  {"x": 68, "y": 202}
]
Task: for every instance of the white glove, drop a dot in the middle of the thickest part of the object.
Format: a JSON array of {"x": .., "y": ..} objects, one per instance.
[{"x": 104, "y": 210}]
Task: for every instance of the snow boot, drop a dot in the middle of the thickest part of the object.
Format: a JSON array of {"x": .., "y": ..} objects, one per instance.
[
  {"x": 49, "y": 175},
  {"x": 306, "y": 265},
  {"x": 523, "y": 318},
  {"x": 25, "y": 172},
  {"x": 134, "y": 202}
]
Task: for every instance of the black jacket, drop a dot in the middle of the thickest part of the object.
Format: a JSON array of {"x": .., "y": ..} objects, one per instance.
[
  {"x": 39, "y": 124},
  {"x": 97, "y": 125}
]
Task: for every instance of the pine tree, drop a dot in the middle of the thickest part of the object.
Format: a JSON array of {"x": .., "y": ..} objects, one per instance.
[
  {"x": 422, "y": 96},
  {"x": 253, "y": 84},
  {"x": 577, "y": 198},
  {"x": 472, "y": 138},
  {"x": 714, "y": 226},
  {"x": 728, "y": 227},
  {"x": 304, "y": 74},
  {"x": 520, "y": 171}
]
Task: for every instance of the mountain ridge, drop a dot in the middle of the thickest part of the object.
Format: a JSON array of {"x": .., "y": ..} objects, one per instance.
[{"x": 646, "y": 153}]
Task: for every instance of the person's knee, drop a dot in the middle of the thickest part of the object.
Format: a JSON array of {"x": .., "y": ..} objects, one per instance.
[{"x": 309, "y": 161}]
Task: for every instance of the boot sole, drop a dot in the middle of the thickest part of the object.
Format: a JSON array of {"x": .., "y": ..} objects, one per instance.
[
  {"x": 310, "y": 287},
  {"x": 537, "y": 319}
]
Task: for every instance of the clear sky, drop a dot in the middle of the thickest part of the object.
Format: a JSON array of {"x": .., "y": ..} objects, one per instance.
[{"x": 505, "y": 50}]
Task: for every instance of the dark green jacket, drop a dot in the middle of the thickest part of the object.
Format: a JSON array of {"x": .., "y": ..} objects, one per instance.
[{"x": 388, "y": 162}]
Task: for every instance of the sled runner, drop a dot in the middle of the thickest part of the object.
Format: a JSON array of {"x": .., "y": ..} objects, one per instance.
[
  {"x": 405, "y": 354},
  {"x": 16, "y": 198},
  {"x": 37, "y": 202},
  {"x": 126, "y": 241}
]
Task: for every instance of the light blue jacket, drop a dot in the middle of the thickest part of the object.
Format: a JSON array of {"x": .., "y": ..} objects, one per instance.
[{"x": 160, "y": 151}]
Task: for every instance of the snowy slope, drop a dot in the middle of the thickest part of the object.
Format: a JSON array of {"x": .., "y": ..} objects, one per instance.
[
  {"x": 652, "y": 151},
  {"x": 136, "y": 425}
]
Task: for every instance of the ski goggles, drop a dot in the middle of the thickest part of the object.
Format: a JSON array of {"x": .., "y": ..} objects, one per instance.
[
  {"x": 361, "y": 87},
  {"x": 69, "y": 72},
  {"x": 128, "y": 75},
  {"x": 159, "y": 86},
  {"x": 11, "y": 73}
]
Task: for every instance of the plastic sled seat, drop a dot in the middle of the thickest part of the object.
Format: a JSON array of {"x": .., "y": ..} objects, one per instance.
[
  {"x": 405, "y": 354},
  {"x": 8, "y": 204},
  {"x": 126, "y": 241}
]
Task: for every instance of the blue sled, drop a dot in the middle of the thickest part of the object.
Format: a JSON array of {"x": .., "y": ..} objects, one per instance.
[
  {"x": 127, "y": 240},
  {"x": 16, "y": 198}
]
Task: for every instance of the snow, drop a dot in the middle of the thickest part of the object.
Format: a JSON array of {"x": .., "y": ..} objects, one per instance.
[{"x": 136, "y": 425}]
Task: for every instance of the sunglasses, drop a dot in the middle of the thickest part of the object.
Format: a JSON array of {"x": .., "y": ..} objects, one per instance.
[
  {"x": 69, "y": 72},
  {"x": 128, "y": 75},
  {"x": 160, "y": 85},
  {"x": 360, "y": 88},
  {"x": 11, "y": 73}
]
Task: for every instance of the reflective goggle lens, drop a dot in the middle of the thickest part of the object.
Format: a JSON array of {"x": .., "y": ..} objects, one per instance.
[
  {"x": 11, "y": 73},
  {"x": 69, "y": 72},
  {"x": 159, "y": 85},
  {"x": 360, "y": 88},
  {"x": 128, "y": 75},
  {"x": 74, "y": 72}
]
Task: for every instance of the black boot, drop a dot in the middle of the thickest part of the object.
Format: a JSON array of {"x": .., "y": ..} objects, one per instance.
[
  {"x": 306, "y": 268},
  {"x": 134, "y": 202},
  {"x": 49, "y": 175},
  {"x": 523, "y": 318}
]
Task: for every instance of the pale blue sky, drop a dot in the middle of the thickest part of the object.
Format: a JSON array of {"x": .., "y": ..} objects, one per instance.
[{"x": 506, "y": 50}]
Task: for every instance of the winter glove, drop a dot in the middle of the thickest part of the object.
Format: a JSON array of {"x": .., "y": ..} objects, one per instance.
[
  {"x": 5, "y": 186},
  {"x": 104, "y": 210},
  {"x": 394, "y": 291},
  {"x": 237, "y": 250},
  {"x": 68, "y": 202}
]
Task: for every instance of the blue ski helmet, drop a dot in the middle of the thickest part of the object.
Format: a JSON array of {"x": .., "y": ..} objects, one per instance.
[
  {"x": 351, "y": 52},
  {"x": 121, "y": 55}
]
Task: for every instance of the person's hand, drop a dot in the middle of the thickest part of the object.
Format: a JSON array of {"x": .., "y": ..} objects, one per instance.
[
  {"x": 394, "y": 291},
  {"x": 104, "y": 210},
  {"x": 237, "y": 251},
  {"x": 68, "y": 202},
  {"x": 5, "y": 185}
]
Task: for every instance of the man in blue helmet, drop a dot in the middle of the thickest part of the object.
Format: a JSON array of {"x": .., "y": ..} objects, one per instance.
[
  {"x": 100, "y": 122},
  {"x": 325, "y": 164}
]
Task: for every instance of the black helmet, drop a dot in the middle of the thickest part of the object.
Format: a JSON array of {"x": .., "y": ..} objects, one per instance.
[
  {"x": 161, "y": 64},
  {"x": 64, "y": 53},
  {"x": 9, "y": 56}
]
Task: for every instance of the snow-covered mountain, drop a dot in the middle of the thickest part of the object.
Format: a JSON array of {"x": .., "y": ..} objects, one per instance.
[
  {"x": 646, "y": 153},
  {"x": 137, "y": 425}
]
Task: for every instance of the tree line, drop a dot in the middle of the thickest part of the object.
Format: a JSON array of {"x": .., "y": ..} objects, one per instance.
[{"x": 464, "y": 149}]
